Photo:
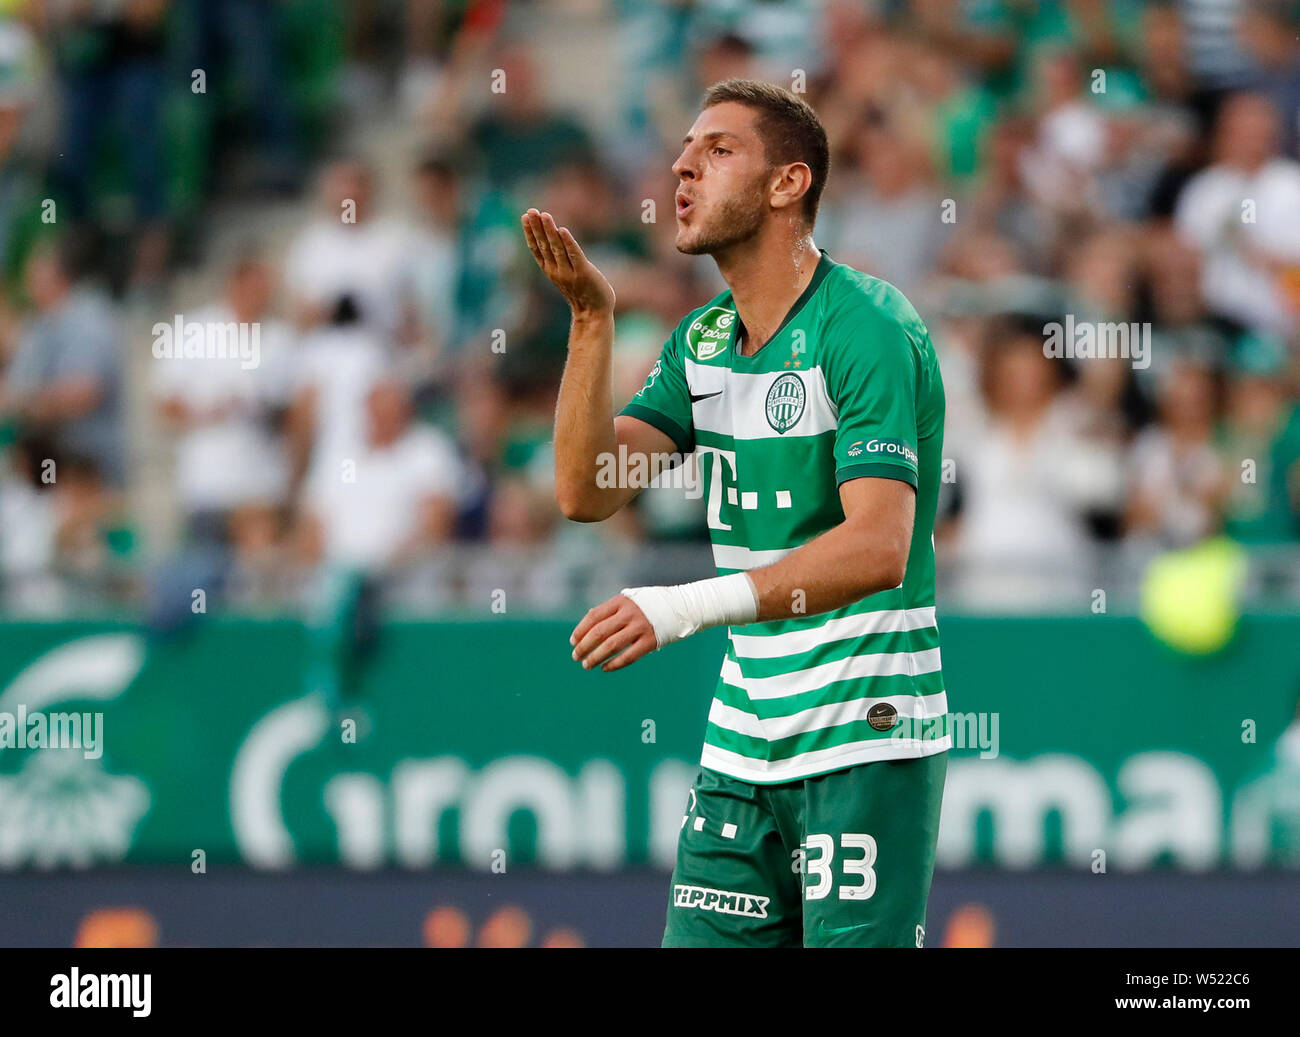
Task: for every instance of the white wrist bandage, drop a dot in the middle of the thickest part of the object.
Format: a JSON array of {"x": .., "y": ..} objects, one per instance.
[{"x": 677, "y": 612}]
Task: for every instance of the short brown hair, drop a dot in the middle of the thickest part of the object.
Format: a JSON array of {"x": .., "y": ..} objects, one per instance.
[{"x": 789, "y": 127}]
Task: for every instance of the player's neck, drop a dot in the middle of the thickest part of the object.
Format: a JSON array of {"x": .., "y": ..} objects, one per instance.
[{"x": 766, "y": 278}]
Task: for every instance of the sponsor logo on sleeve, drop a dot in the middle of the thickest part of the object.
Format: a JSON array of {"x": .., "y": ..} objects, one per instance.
[{"x": 888, "y": 448}]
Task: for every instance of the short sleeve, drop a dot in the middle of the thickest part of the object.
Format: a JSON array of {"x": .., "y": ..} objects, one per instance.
[
  {"x": 870, "y": 367},
  {"x": 665, "y": 400}
]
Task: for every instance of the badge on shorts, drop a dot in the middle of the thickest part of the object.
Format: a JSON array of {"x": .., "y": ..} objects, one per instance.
[{"x": 882, "y": 716}]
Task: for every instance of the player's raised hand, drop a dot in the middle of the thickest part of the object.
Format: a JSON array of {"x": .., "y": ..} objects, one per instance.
[
  {"x": 615, "y": 633},
  {"x": 583, "y": 286}
]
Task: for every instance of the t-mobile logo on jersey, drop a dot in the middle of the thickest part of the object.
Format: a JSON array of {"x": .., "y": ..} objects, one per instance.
[{"x": 723, "y": 488}]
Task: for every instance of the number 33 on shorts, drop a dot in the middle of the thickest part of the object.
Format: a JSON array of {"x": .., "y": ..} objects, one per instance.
[
  {"x": 818, "y": 877},
  {"x": 843, "y": 872}
]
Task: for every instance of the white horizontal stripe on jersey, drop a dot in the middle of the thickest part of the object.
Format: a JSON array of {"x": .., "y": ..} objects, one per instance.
[
  {"x": 734, "y": 719},
  {"x": 819, "y": 761},
  {"x": 911, "y": 707},
  {"x": 880, "y": 664},
  {"x": 740, "y": 408},
  {"x": 794, "y": 642},
  {"x": 728, "y": 556}
]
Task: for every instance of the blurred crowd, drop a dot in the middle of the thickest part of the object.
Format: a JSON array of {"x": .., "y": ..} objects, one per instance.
[{"x": 1008, "y": 164}]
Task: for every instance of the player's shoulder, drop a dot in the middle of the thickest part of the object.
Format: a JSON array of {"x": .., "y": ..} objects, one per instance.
[
  {"x": 854, "y": 301},
  {"x": 704, "y": 332}
]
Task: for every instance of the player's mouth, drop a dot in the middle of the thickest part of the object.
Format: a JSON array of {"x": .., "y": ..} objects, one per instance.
[{"x": 684, "y": 205}]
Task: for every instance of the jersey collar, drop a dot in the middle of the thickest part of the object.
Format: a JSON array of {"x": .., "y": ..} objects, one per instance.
[{"x": 824, "y": 266}]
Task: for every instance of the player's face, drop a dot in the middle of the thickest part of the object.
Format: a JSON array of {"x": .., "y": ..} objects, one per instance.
[{"x": 723, "y": 179}]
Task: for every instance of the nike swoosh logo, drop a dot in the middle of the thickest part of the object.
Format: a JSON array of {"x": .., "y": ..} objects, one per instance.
[
  {"x": 827, "y": 931},
  {"x": 705, "y": 396}
]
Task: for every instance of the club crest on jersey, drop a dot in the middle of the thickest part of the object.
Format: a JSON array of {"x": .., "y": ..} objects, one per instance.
[
  {"x": 785, "y": 402},
  {"x": 710, "y": 332}
]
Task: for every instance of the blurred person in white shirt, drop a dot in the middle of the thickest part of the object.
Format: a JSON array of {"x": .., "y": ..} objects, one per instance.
[
  {"x": 394, "y": 499},
  {"x": 1176, "y": 477},
  {"x": 1243, "y": 213},
  {"x": 1028, "y": 480},
  {"x": 1061, "y": 168},
  {"x": 349, "y": 251},
  {"x": 28, "y": 529},
  {"x": 335, "y": 369},
  {"x": 222, "y": 411}
]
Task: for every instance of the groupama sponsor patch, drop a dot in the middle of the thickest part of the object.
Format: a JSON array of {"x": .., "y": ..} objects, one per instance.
[{"x": 893, "y": 448}]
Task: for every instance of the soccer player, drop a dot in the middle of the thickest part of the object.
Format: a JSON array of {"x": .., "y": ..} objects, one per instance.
[{"x": 813, "y": 397}]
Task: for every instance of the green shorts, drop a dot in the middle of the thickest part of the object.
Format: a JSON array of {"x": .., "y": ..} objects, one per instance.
[{"x": 840, "y": 860}]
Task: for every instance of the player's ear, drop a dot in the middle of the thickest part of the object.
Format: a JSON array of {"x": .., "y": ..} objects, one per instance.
[{"x": 791, "y": 184}]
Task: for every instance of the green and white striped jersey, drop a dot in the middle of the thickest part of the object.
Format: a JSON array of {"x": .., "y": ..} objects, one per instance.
[{"x": 849, "y": 386}]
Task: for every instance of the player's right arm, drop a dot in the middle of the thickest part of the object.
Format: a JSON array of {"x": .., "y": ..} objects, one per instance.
[{"x": 587, "y": 433}]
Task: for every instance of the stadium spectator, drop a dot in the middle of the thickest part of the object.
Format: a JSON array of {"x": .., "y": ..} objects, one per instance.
[
  {"x": 60, "y": 530},
  {"x": 1243, "y": 212},
  {"x": 519, "y": 137},
  {"x": 1176, "y": 475},
  {"x": 219, "y": 408},
  {"x": 1060, "y": 168},
  {"x": 1181, "y": 320},
  {"x": 336, "y": 367},
  {"x": 396, "y": 497},
  {"x": 1029, "y": 480},
  {"x": 111, "y": 64},
  {"x": 1268, "y": 30},
  {"x": 951, "y": 115},
  {"x": 351, "y": 253},
  {"x": 90, "y": 527},
  {"x": 1215, "y": 54},
  {"x": 888, "y": 220},
  {"x": 1162, "y": 61},
  {"x": 65, "y": 380},
  {"x": 981, "y": 35},
  {"x": 238, "y": 43},
  {"x": 27, "y": 530}
]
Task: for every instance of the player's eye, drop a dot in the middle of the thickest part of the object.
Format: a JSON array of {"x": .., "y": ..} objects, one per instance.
[{"x": 721, "y": 151}]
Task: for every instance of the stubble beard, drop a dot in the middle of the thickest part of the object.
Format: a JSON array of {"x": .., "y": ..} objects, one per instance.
[{"x": 739, "y": 218}]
